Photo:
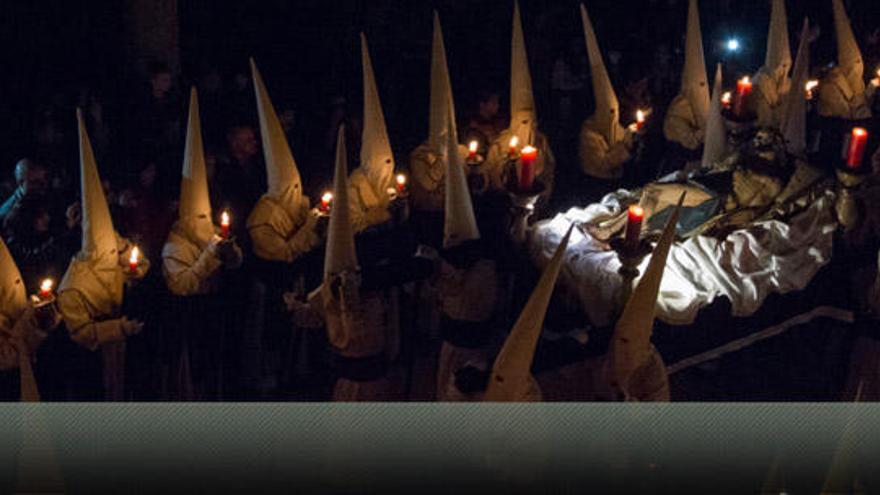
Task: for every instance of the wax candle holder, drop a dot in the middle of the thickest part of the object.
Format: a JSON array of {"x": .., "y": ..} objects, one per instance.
[
  {"x": 629, "y": 264},
  {"x": 399, "y": 207},
  {"x": 44, "y": 311},
  {"x": 522, "y": 209}
]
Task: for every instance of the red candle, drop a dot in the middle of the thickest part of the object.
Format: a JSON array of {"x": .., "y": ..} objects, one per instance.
[
  {"x": 640, "y": 119},
  {"x": 527, "y": 167},
  {"x": 726, "y": 98},
  {"x": 743, "y": 88},
  {"x": 633, "y": 228},
  {"x": 856, "y": 150},
  {"x": 326, "y": 199},
  {"x": 46, "y": 288},
  {"x": 514, "y": 150},
  {"x": 401, "y": 183},
  {"x": 224, "y": 225},
  {"x": 133, "y": 259},
  {"x": 472, "y": 150}
]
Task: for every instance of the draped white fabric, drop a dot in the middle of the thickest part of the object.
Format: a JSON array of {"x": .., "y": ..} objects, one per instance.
[{"x": 747, "y": 266}]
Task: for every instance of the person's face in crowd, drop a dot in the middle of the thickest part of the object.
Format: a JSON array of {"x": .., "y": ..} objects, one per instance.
[
  {"x": 243, "y": 142},
  {"x": 33, "y": 179},
  {"x": 148, "y": 176},
  {"x": 490, "y": 106},
  {"x": 42, "y": 221},
  {"x": 161, "y": 83}
]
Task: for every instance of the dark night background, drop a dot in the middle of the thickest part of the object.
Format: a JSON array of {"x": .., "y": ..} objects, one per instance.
[{"x": 308, "y": 50}]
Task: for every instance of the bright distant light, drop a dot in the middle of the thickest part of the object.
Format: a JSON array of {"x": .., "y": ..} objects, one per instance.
[{"x": 732, "y": 45}]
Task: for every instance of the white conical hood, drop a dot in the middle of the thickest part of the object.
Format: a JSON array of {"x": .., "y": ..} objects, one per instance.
[
  {"x": 98, "y": 236},
  {"x": 794, "y": 122},
  {"x": 778, "y": 56},
  {"x": 282, "y": 176},
  {"x": 377, "y": 161},
  {"x": 694, "y": 83},
  {"x": 607, "y": 112},
  {"x": 13, "y": 297},
  {"x": 522, "y": 101},
  {"x": 460, "y": 224},
  {"x": 631, "y": 343},
  {"x": 849, "y": 57},
  {"x": 195, "y": 201},
  {"x": 511, "y": 373},
  {"x": 340, "y": 253},
  {"x": 442, "y": 106},
  {"x": 715, "y": 145}
]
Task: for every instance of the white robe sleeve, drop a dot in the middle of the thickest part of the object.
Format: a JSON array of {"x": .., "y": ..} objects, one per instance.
[
  {"x": 193, "y": 277},
  {"x": 680, "y": 126},
  {"x": 598, "y": 159},
  {"x": 83, "y": 329}
]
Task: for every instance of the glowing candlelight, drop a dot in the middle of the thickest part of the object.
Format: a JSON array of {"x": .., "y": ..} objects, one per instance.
[
  {"x": 133, "y": 259},
  {"x": 527, "y": 167},
  {"x": 743, "y": 89},
  {"x": 514, "y": 147},
  {"x": 856, "y": 149},
  {"x": 640, "y": 119},
  {"x": 46, "y": 288},
  {"x": 811, "y": 85},
  {"x": 472, "y": 150},
  {"x": 401, "y": 183},
  {"x": 726, "y": 98},
  {"x": 224, "y": 224},
  {"x": 326, "y": 200},
  {"x": 635, "y": 216}
]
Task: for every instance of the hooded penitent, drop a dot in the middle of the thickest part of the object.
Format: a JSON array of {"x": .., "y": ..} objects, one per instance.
[
  {"x": 340, "y": 253},
  {"x": 631, "y": 351},
  {"x": 377, "y": 161},
  {"x": 694, "y": 84},
  {"x": 460, "y": 224},
  {"x": 771, "y": 80},
  {"x": 442, "y": 106},
  {"x": 13, "y": 298},
  {"x": 522, "y": 102},
  {"x": 511, "y": 379},
  {"x": 849, "y": 57},
  {"x": 715, "y": 146},
  {"x": 605, "y": 119},
  {"x": 95, "y": 271},
  {"x": 794, "y": 122},
  {"x": 285, "y": 185},
  {"x": 777, "y": 60},
  {"x": 194, "y": 218},
  {"x": 15, "y": 347}
]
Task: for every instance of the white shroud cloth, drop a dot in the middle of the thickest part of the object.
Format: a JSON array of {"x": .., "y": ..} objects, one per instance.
[{"x": 746, "y": 267}]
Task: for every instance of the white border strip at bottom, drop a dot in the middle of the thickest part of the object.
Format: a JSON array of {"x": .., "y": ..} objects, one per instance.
[{"x": 738, "y": 344}]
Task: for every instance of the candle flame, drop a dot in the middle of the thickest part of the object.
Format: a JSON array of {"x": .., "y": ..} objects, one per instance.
[
  {"x": 327, "y": 197},
  {"x": 859, "y": 131},
  {"x": 224, "y": 219},
  {"x": 46, "y": 285},
  {"x": 637, "y": 211},
  {"x": 514, "y": 142},
  {"x": 472, "y": 147},
  {"x": 811, "y": 85},
  {"x": 529, "y": 150},
  {"x": 746, "y": 80},
  {"x": 401, "y": 179},
  {"x": 135, "y": 254},
  {"x": 640, "y": 116},
  {"x": 726, "y": 97}
]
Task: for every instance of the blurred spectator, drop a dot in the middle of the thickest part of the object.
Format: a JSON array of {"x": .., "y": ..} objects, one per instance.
[
  {"x": 486, "y": 123},
  {"x": 241, "y": 174}
]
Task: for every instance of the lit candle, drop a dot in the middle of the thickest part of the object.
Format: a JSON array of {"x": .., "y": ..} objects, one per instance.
[
  {"x": 726, "y": 98},
  {"x": 133, "y": 259},
  {"x": 401, "y": 183},
  {"x": 326, "y": 199},
  {"x": 527, "y": 167},
  {"x": 856, "y": 149},
  {"x": 640, "y": 119},
  {"x": 514, "y": 150},
  {"x": 811, "y": 85},
  {"x": 472, "y": 150},
  {"x": 224, "y": 224},
  {"x": 46, "y": 288},
  {"x": 743, "y": 88},
  {"x": 635, "y": 217}
]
